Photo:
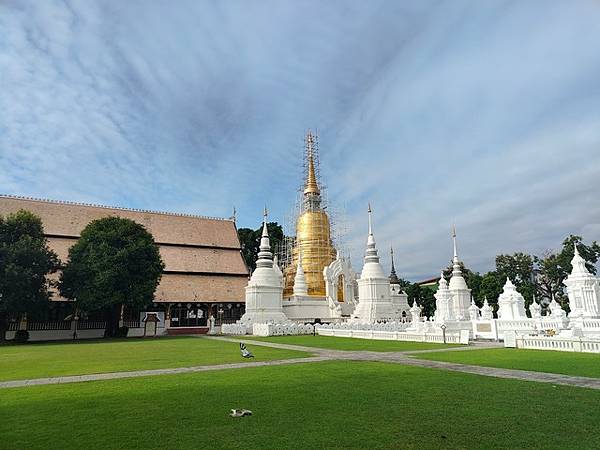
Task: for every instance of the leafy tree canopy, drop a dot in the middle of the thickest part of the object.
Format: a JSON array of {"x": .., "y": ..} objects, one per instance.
[
  {"x": 115, "y": 262},
  {"x": 25, "y": 260},
  {"x": 250, "y": 241}
]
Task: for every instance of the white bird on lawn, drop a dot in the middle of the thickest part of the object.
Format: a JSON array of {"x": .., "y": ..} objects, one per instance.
[
  {"x": 245, "y": 352},
  {"x": 240, "y": 412}
]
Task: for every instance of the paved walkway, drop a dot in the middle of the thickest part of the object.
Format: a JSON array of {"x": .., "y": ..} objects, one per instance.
[{"x": 322, "y": 354}]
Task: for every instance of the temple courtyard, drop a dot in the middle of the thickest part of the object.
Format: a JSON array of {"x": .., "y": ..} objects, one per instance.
[{"x": 304, "y": 391}]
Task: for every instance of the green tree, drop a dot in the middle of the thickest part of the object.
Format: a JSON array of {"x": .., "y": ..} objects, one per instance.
[
  {"x": 519, "y": 267},
  {"x": 424, "y": 295},
  {"x": 554, "y": 267},
  {"x": 490, "y": 289},
  {"x": 114, "y": 263},
  {"x": 25, "y": 262},
  {"x": 250, "y": 241}
]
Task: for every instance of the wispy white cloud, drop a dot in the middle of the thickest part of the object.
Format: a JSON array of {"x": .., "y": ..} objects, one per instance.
[{"x": 482, "y": 114}]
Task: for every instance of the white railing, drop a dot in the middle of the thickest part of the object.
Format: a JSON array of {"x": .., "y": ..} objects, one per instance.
[
  {"x": 557, "y": 343},
  {"x": 281, "y": 329},
  {"x": 454, "y": 338},
  {"x": 386, "y": 326},
  {"x": 236, "y": 329}
]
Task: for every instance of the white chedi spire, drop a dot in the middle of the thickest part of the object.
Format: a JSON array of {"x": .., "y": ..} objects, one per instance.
[
  {"x": 456, "y": 281},
  {"x": 265, "y": 257},
  {"x": 578, "y": 263},
  {"x": 473, "y": 310},
  {"x": 372, "y": 268},
  {"x": 511, "y": 304},
  {"x": 443, "y": 284},
  {"x": 487, "y": 312},
  {"x": 300, "y": 286},
  {"x": 374, "y": 296}
]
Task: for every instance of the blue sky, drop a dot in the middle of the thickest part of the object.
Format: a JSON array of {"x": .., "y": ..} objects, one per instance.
[{"x": 483, "y": 114}]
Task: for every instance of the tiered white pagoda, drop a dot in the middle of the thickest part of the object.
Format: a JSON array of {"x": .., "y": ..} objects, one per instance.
[
  {"x": 511, "y": 304},
  {"x": 460, "y": 292},
  {"x": 265, "y": 288},
  {"x": 374, "y": 299}
]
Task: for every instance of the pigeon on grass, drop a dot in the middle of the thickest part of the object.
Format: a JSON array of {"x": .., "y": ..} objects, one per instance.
[
  {"x": 245, "y": 352},
  {"x": 240, "y": 412}
]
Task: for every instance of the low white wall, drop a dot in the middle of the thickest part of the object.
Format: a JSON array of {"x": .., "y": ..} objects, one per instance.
[
  {"x": 556, "y": 343},
  {"x": 277, "y": 329},
  {"x": 462, "y": 338}
]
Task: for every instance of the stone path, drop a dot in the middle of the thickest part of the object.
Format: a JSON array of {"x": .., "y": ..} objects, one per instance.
[{"x": 322, "y": 354}]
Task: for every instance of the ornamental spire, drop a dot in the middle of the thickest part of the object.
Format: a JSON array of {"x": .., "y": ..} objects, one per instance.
[
  {"x": 265, "y": 257},
  {"x": 311, "y": 187},
  {"x": 393, "y": 276},
  {"x": 455, "y": 259},
  {"x": 578, "y": 263},
  {"x": 371, "y": 253}
]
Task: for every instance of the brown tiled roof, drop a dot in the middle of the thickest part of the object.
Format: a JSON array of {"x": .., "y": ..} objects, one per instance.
[
  {"x": 201, "y": 254},
  {"x": 68, "y": 219}
]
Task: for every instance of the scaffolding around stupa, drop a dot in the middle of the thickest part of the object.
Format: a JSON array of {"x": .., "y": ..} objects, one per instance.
[{"x": 312, "y": 227}]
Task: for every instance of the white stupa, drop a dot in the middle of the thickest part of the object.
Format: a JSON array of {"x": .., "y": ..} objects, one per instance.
[
  {"x": 374, "y": 302},
  {"x": 444, "y": 310},
  {"x": 264, "y": 292},
  {"x": 461, "y": 294},
  {"x": 300, "y": 286},
  {"x": 583, "y": 290},
  {"x": 511, "y": 304}
]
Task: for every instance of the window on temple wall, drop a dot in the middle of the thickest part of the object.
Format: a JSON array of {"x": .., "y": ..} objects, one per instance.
[{"x": 340, "y": 288}]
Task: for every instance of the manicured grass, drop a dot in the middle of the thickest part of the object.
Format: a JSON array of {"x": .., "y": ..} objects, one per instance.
[
  {"x": 85, "y": 357},
  {"x": 328, "y": 405},
  {"x": 580, "y": 364},
  {"x": 342, "y": 343}
]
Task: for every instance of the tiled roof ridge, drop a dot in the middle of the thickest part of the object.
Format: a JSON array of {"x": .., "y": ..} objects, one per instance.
[{"x": 120, "y": 208}]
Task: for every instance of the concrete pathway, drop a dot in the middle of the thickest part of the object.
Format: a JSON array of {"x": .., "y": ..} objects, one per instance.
[{"x": 322, "y": 354}]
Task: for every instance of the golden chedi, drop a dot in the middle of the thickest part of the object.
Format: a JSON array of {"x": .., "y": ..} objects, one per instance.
[{"x": 313, "y": 235}]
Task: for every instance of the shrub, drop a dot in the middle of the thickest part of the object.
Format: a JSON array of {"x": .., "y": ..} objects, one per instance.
[
  {"x": 122, "y": 332},
  {"x": 22, "y": 336}
]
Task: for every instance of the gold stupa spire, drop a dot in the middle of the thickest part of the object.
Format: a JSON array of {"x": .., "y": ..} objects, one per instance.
[
  {"x": 311, "y": 187},
  {"x": 313, "y": 231}
]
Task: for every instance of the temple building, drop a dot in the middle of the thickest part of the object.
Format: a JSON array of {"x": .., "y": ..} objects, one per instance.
[{"x": 205, "y": 274}]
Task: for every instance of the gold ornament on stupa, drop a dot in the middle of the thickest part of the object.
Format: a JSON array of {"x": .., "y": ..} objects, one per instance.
[{"x": 313, "y": 233}]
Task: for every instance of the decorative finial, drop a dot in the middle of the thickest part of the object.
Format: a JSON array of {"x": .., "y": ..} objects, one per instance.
[
  {"x": 454, "y": 242},
  {"x": 370, "y": 223},
  {"x": 234, "y": 216},
  {"x": 575, "y": 246}
]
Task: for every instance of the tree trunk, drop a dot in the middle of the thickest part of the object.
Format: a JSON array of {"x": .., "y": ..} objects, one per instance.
[
  {"x": 3, "y": 325},
  {"x": 113, "y": 315}
]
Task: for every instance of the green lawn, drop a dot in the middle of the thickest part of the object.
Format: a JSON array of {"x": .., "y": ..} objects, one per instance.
[
  {"x": 343, "y": 343},
  {"x": 85, "y": 357},
  {"x": 328, "y": 405},
  {"x": 581, "y": 364}
]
